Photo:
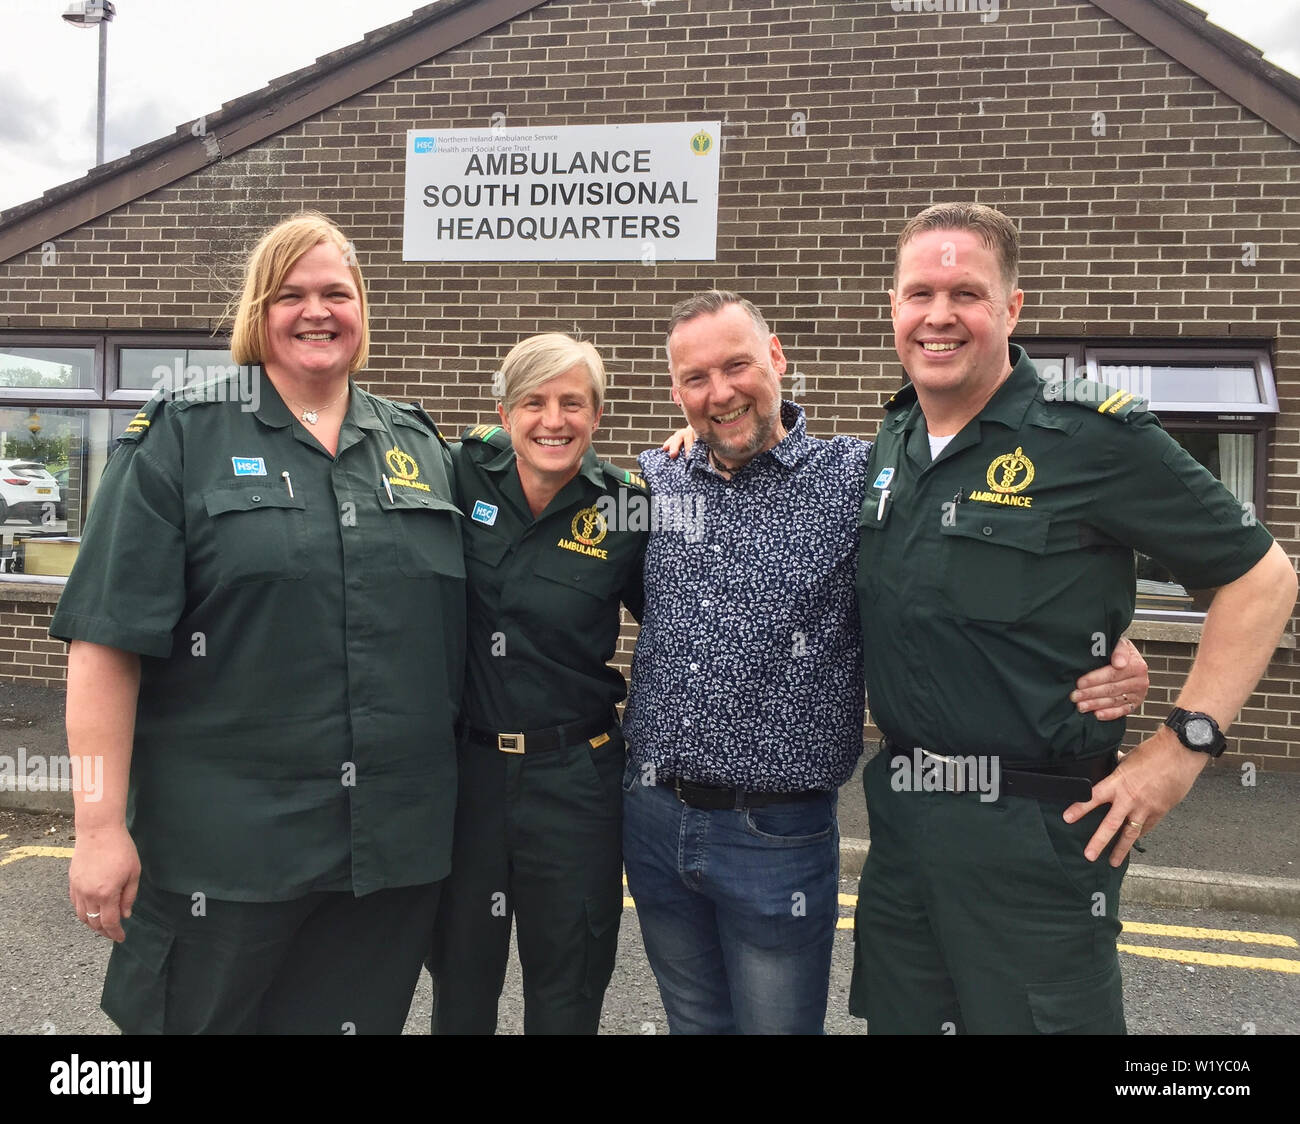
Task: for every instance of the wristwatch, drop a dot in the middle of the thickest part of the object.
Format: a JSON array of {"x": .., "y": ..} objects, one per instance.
[{"x": 1197, "y": 731}]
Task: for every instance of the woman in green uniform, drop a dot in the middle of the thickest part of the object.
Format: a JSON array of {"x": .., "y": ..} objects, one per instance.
[
  {"x": 267, "y": 621},
  {"x": 554, "y": 542}
]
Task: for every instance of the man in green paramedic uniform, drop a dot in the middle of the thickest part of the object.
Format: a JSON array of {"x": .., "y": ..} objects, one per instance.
[
  {"x": 554, "y": 542},
  {"x": 996, "y": 564},
  {"x": 286, "y": 588}
]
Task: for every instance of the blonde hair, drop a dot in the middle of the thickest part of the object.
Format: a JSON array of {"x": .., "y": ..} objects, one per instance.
[
  {"x": 269, "y": 264},
  {"x": 539, "y": 359}
]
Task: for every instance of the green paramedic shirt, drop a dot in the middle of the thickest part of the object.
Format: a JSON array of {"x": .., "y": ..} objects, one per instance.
[
  {"x": 302, "y": 654},
  {"x": 544, "y": 593},
  {"x": 991, "y": 579}
]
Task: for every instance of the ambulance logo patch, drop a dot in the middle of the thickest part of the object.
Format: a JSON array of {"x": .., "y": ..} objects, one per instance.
[
  {"x": 484, "y": 512},
  {"x": 249, "y": 466}
]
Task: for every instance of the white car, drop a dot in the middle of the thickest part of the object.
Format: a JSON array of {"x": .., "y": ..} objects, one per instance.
[{"x": 25, "y": 488}]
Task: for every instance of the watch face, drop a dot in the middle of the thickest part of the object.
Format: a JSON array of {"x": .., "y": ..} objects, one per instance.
[{"x": 1199, "y": 732}]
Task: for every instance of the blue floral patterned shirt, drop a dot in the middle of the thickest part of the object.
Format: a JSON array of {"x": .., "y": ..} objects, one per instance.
[{"x": 748, "y": 669}]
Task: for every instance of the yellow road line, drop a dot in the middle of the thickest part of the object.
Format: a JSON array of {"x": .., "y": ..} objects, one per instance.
[
  {"x": 1281, "y": 940},
  {"x": 1214, "y": 959},
  {"x": 36, "y": 852},
  {"x": 844, "y": 923}
]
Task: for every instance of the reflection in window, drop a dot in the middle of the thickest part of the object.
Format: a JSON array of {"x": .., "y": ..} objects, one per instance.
[
  {"x": 50, "y": 464},
  {"x": 47, "y": 368},
  {"x": 152, "y": 369}
]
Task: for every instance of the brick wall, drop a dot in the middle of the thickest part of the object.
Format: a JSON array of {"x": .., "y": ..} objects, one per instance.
[
  {"x": 842, "y": 118},
  {"x": 27, "y": 654}
]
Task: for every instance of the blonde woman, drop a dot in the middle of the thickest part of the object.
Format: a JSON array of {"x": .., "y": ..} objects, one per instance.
[
  {"x": 553, "y": 546},
  {"x": 267, "y": 621}
]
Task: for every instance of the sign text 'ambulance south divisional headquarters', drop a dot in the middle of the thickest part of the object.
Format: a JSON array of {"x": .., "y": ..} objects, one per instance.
[{"x": 644, "y": 193}]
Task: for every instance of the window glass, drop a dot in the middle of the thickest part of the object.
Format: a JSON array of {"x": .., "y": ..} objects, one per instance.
[
  {"x": 155, "y": 368},
  {"x": 50, "y": 464},
  {"x": 1169, "y": 385},
  {"x": 47, "y": 368}
]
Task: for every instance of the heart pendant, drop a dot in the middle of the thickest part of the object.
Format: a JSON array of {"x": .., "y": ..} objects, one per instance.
[{"x": 311, "y": 417}]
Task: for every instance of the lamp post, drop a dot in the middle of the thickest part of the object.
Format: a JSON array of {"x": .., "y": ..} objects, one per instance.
[{"x": 89, "y": 13}]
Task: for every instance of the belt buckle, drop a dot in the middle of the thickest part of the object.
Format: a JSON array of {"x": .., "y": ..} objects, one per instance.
[
  {"x": 954, "y": 773},
  {"x": 510, "y": 743}
]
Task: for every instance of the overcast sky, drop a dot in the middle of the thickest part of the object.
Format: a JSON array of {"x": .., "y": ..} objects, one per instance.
[{"x": 170, "y": 61}]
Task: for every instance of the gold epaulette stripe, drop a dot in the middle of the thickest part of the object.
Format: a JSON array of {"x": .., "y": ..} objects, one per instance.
[{"x": 1106, "y": 405}]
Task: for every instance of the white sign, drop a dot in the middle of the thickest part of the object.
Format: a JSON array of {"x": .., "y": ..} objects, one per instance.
[{"x": 644, "y": 193}]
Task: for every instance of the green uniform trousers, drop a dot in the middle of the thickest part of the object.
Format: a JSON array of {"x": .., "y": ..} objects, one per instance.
[
  {"x": 538, "y": 837},
  {"x": 983, "y": 918},
  {"x": 325, "y": 963}
]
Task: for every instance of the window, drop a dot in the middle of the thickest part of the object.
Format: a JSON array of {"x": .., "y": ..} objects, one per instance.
[
  {"x": 1218, "y": 403},
  {"x": 64, "y": 400}
]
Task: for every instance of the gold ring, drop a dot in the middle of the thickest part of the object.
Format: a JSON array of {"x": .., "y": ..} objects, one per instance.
[{"x": 1135, "y": 825}]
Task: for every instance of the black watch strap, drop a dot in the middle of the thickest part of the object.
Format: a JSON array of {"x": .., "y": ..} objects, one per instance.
[{"x": 1197, "y": 731}]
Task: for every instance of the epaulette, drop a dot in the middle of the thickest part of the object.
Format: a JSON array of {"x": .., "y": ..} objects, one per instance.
[
  {"x": 1089, "y": 394},
  {"x": 137, "y": 428},
  {"x": 623, "y": 476},
  {"x": 492, "y": 435},
  {"x": 423, "y": 414},
  {"x": 904, "y": 396}
]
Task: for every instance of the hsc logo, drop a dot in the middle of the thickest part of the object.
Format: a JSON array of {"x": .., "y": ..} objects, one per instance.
[{"x": 426, "y": 144}]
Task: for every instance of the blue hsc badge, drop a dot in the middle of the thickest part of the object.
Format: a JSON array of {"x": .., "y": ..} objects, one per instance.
[
  {"x": 426, "y": 144},
  {"x": 249, "y": 466},
  {"x": 484, "y": 512},
  {"x": 882, "y": 481}
]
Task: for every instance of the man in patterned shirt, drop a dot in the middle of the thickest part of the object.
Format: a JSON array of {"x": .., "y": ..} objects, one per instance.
[{"x": 746, "y": 705}]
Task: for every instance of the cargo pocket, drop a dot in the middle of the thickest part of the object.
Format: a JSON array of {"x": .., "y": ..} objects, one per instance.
[
  {"x": 135, "y": 986},
  {"x": 1090, "y": 1005},
  {"x": 604, "y": 911}
]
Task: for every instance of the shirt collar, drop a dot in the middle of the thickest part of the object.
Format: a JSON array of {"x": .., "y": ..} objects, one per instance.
[
  {"x": 1011, "y": 401},
  {"x": 1009, "y": 404},
  {"x": 789, "y": 451},
  {"x": 274, "y": 411}
]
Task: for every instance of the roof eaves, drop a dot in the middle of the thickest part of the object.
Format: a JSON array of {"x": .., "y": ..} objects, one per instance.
[{"x": 1183, "y": 32}]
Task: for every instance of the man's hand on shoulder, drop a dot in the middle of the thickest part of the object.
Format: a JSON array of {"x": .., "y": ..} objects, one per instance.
[{"x": 680, "y": 442}]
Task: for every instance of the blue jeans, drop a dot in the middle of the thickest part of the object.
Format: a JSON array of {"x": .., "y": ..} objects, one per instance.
[{"x": 737, "y": 909}]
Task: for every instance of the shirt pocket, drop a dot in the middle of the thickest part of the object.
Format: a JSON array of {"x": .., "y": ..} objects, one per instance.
[
  {"x": 259, "y": 532},
  {"x": 425, "y": 534},
  {"x": 990, "y": 554},
  {"x": 588, "y": 577}
]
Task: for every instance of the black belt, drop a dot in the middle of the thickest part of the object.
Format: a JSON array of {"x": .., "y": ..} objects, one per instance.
[
  {"x": 710, "y": 797},
  {"x": 1069, "y": 783},
  {"x": 535, "y": 741}
]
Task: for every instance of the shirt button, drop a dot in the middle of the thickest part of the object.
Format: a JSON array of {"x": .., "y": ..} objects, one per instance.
[
  {"x": 717, "y": 549},
  {"x": 695, "y": 667},
  {"x": 686, "y": 721},
  {"x": 257, "y": 499},
  {"x": 704, "y": 604},
  {"x": 988, "y": 530}
]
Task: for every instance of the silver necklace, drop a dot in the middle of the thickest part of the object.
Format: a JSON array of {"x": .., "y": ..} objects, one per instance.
[{"x": 311, "y": 417}]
